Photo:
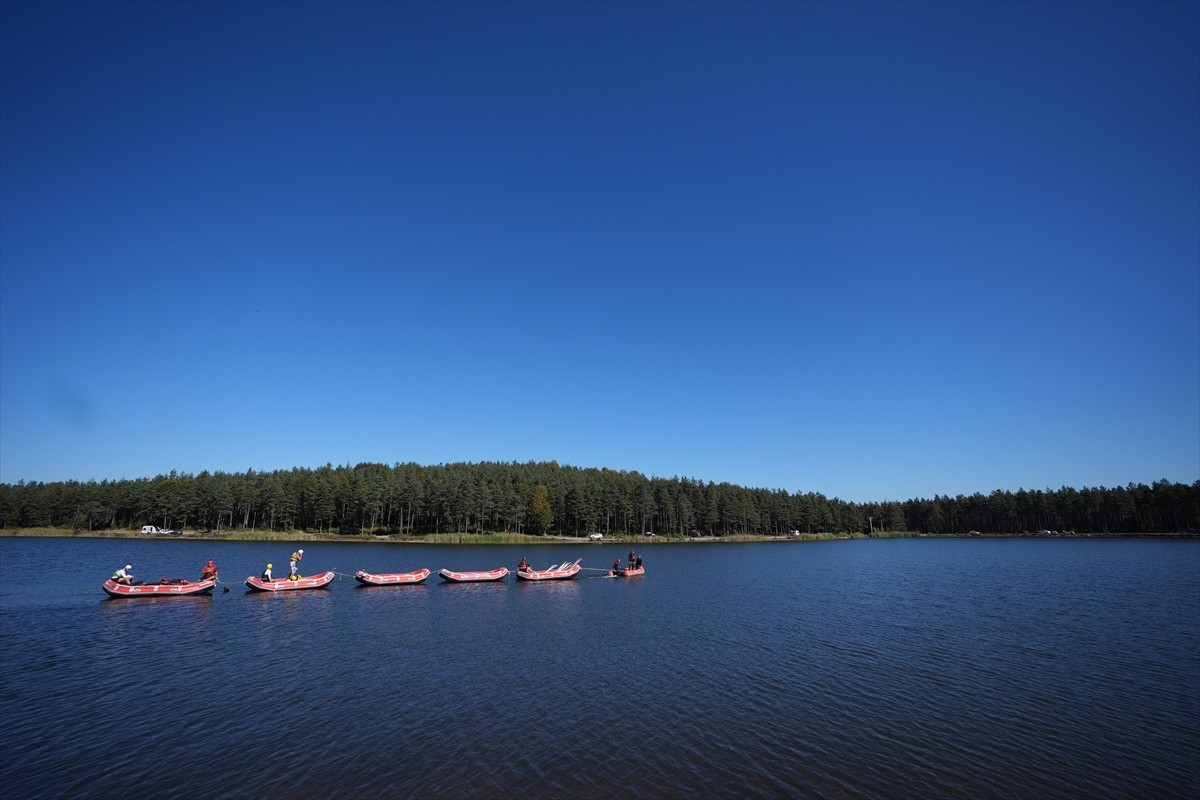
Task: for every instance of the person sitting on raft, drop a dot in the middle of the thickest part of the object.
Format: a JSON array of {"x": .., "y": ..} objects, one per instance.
[
  {"x": 209, "y": 571},
  {"x": 124, "y": 575},
  {"x": 616, "y": 565},
  {"x": 266, "y": 576},
  {"x": 523, "y": 566}
]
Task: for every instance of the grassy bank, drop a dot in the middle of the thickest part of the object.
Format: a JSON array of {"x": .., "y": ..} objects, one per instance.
[{"x": 73, "y": 534}]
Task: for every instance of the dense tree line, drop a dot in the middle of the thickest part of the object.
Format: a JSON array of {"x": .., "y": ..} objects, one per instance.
[{"x": 549, "y": 498}]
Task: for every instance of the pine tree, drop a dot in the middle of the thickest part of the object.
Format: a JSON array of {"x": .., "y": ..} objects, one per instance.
[{"x": 540, "y": 513}]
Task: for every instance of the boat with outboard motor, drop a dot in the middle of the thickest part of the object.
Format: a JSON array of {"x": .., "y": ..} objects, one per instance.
[{"x": 627, "y": 572}]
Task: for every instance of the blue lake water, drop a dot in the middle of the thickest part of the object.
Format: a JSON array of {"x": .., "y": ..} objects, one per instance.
[{"x": 860, "y": 669}]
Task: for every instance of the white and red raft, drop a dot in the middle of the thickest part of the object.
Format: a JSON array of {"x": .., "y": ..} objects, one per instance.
[
  {"x": 557, "y": 572},
  {"x": 496, "y": 574},
  {"x": 286, "y": 585},
  {"x": 164, "y": 588},
  {"x": 391, "y": 578}
]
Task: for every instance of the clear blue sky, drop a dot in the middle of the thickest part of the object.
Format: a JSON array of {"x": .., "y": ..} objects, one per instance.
[{"x": 877, "y": 251}]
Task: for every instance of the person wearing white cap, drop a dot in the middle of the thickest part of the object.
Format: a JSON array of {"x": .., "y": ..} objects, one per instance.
[
  {"x": 296, "y": 556},
  {"x": 124, "y": 575}
]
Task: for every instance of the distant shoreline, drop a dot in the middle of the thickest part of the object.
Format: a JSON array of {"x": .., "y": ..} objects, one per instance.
[
  {"x": 431, "y": 538},
  {"x": 529, "y": 539}
]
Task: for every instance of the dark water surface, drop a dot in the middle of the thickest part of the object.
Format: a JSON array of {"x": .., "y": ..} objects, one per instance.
[{"x": 863, "y": 669}]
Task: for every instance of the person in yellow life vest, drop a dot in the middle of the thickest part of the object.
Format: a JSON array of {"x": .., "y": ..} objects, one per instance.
[
  {"x": 124, "y": 575},
  {"x": 296, "y": 556}
]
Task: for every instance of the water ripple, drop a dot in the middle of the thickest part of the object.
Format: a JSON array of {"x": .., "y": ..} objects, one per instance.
[{"x": 847, "y": 670}]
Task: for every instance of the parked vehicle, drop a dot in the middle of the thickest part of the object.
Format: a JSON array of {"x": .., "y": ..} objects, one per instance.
[{"x": 160, "y": 531}]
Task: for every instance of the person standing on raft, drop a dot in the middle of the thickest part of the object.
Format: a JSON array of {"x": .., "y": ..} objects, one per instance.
[{"x": 296, "y": 556}]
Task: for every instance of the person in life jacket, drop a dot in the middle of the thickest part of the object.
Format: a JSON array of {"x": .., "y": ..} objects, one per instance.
[
  {"x": 209, "y": 571},
  {"x": 124, "y": 575},
  {"x": 296, "y": 556},
  {"x": 266, "y": 576},
  {"x": 523, "y": 566}
]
